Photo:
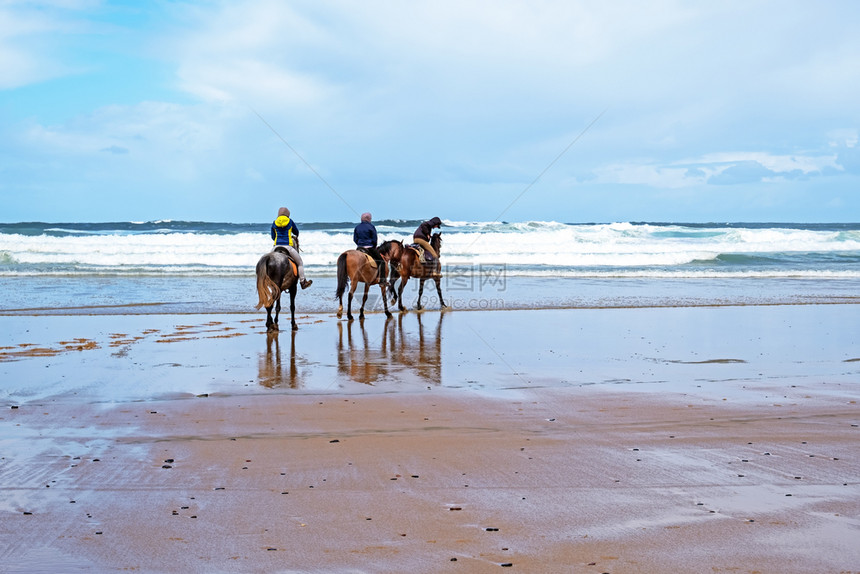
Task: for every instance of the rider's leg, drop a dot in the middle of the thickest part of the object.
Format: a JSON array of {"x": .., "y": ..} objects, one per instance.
[
  {"x": 380, "y": 265},
  {"x": 430, "y": 265},
  {"x": 294, "y": 255},
  {"x": 427, "y": 247}
]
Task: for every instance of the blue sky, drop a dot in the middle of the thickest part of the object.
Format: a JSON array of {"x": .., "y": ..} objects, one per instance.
[{"x": 705, "y": 111}]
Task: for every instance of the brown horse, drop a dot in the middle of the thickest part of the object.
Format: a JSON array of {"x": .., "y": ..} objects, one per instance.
[
  {"x": 275, "y": 275},
  {"x": 405, "y": 263},
  {"x": 354, "y": 266}
]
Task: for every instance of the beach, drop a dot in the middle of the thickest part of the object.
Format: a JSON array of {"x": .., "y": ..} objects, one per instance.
[
  {"x": 636, "y": 349},
  {"x": 655, "y": 439}
]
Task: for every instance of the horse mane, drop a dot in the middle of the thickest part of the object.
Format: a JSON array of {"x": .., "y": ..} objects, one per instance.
[
  {"x": 385, "y": 247},
  {"x": 436, "y": 241}
]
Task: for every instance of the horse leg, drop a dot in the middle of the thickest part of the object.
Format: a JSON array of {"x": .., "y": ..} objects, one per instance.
[
  {"x": 363, "y": 301},
  {"x": 438, "y": 281},
  {"x": 385, "y": 301},
  {"x": 403, "y": 281},
  {"x": 269, "y": 322},
  {"x": 392, "y": 289},
  {"x": 353, "y": 285},
  {"x": 293, "y": 308},
  {"x": 420, "y": 293},
  {"x": 277, "y": 311},
  {"x": 342, "y": 280},
  {"x": 393, "y": 274}
]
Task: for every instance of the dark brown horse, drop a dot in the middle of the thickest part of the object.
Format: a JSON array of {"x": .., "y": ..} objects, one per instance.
[
  {"x": 405, "y": 263},
  {"x": 275, "y": 274},
  {"x": 355, "y": 266}
]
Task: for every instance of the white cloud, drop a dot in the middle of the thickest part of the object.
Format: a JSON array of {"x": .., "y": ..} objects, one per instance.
[
  {"x": 843, "y": 137},
  {"x": 457, "y": 95},
  {"x": 22, "y": 60},
  {"x": 649, "y": 175},
  {"x": 251, "y": 80},
  {"x": 723, "y": 168},
  {"x": 418, "y": 55},
  {"x": 776, "y": 163},
  {"x": 34, "y": 39},
  {"x": 248, "y": 51}
]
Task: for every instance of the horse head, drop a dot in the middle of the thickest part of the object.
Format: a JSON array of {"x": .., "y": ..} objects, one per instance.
[
  {"x": 436, "y": 242},
  {"x": 391, "y": 250}
]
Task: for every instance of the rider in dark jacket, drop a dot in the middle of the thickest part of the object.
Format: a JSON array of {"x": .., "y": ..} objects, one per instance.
[
  {"x": 422, "y": 235},
  {"x": 365, "y": 239}
]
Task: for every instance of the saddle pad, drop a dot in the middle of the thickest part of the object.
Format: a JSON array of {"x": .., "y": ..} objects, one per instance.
[
  {"x": 370, "y": 260},
  {"x": 422, "y": 254},
  {"x": 292, "y": 263}
]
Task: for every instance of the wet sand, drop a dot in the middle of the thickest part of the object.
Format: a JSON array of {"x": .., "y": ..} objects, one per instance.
[{"x": 624, "y": 440}]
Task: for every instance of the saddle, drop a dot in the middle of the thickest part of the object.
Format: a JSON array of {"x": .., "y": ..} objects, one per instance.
[
  {"x": 370, "y": 260},
  {"x": 281, "y": 249},
  {"x": 422, "y": 255}
]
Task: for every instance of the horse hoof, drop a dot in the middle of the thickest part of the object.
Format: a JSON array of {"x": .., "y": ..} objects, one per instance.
[
  {"x": 295, "y": 327},
  {"x": 388, "y": 314},
  {"x": 350, "y": 317}
]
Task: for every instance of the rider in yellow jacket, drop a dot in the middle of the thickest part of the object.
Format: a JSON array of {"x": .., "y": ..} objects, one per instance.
[{"x": 283, "y": 232}]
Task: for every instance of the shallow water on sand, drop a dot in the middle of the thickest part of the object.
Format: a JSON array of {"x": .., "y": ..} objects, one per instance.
[
  {"x": 706, "y": 351},
  {"x": 123, "y": 295}
]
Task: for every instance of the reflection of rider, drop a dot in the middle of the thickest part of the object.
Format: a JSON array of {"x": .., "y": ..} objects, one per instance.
[
  {"x": 283, "y": 230},
  {"x": 422, "y": 235},
  {"x": 365, "y": 239}
]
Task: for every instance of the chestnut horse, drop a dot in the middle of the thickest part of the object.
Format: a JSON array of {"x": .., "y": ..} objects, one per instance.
[
  {"x": 354, "y": 266},
  {"x": 274, "y": 275},
  {"x": 405, "y": 264}
]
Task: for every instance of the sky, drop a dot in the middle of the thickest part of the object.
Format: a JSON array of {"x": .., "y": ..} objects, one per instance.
[{"x": 469, "y": 110}]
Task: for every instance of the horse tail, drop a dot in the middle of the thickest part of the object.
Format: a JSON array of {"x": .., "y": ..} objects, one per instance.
[
  {"x": 267, "y": 290},
  {"x": 342, "y": 275}
]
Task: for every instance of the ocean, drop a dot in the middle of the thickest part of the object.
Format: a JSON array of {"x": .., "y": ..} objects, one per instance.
[{"x": 203, "y": 267}]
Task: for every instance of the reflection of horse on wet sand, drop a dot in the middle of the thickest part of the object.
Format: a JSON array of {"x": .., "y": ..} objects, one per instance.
[
  {"x": 356, "y": 266},
  {"x": 406, "y": 263},
  {"x": 400, "y": 356},
  {"x": 362, "y": 363},
  {"x": 424, "y": 356},
  {"x": 275, "y": 274},
  {"x": 272, "y": 372}
]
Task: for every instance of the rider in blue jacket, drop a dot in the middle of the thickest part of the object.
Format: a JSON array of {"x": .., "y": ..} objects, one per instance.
[{"x": 365, "y": 239}]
